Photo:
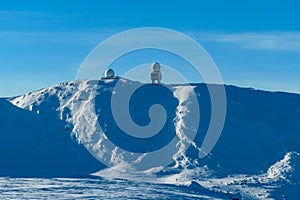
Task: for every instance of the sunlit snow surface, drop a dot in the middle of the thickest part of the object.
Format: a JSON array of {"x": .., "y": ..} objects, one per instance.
[
  {"x": 43, "y": 133},
  {"x": 87, "y": 188},
  {"x": 185, "y": 184}
]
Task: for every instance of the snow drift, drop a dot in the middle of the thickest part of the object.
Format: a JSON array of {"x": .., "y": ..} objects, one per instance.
[{"x": 55, "y": 131}]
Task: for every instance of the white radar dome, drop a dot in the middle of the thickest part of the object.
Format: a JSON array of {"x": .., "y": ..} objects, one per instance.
[
  {"x": 109, "y": 73},
  {"x": 156, "y": 67}
]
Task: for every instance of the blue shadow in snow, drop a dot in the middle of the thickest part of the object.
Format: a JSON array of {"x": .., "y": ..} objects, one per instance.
[{"x": 139, "y": 105}]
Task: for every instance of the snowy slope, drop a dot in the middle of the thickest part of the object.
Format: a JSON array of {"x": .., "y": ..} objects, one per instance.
[
  {"x": 38, "y": 142},
  {"x": 44, "y": 133}
]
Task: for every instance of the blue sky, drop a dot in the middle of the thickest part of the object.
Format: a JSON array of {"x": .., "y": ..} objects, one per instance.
[{"x": 253, "y": 43}]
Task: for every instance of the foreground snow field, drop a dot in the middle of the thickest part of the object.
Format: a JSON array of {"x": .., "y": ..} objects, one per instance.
[{"x": 54, "y": 132}]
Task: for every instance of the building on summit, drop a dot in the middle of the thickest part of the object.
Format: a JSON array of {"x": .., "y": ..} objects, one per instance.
[{"x": 156, "y": 74}]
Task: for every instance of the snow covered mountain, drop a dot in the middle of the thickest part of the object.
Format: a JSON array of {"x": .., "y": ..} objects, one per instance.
[{"x": 55, "y": 132}]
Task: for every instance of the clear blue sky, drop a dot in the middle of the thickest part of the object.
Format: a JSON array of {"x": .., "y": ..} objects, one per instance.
[{"x": 254, "y": 43}]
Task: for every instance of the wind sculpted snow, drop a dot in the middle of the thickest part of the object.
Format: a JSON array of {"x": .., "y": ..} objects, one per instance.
[
  {"x": 56, "y": 130},
  {"x": 37, "y": 143}
]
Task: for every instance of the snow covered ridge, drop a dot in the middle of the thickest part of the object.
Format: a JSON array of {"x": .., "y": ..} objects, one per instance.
[
  {"x": 76, "y": 103},
  {"x": 42, "y": 134}
]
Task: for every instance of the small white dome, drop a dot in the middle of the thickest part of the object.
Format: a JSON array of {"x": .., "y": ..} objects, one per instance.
[
  {"x": 109, "y": 73},
  {"x": 156, "y": 67}
]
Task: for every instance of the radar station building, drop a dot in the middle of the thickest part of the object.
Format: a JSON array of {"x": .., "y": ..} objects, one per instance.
[
  {"x": 109, "y": 74},
  {"x": 156, "y": 74}
]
